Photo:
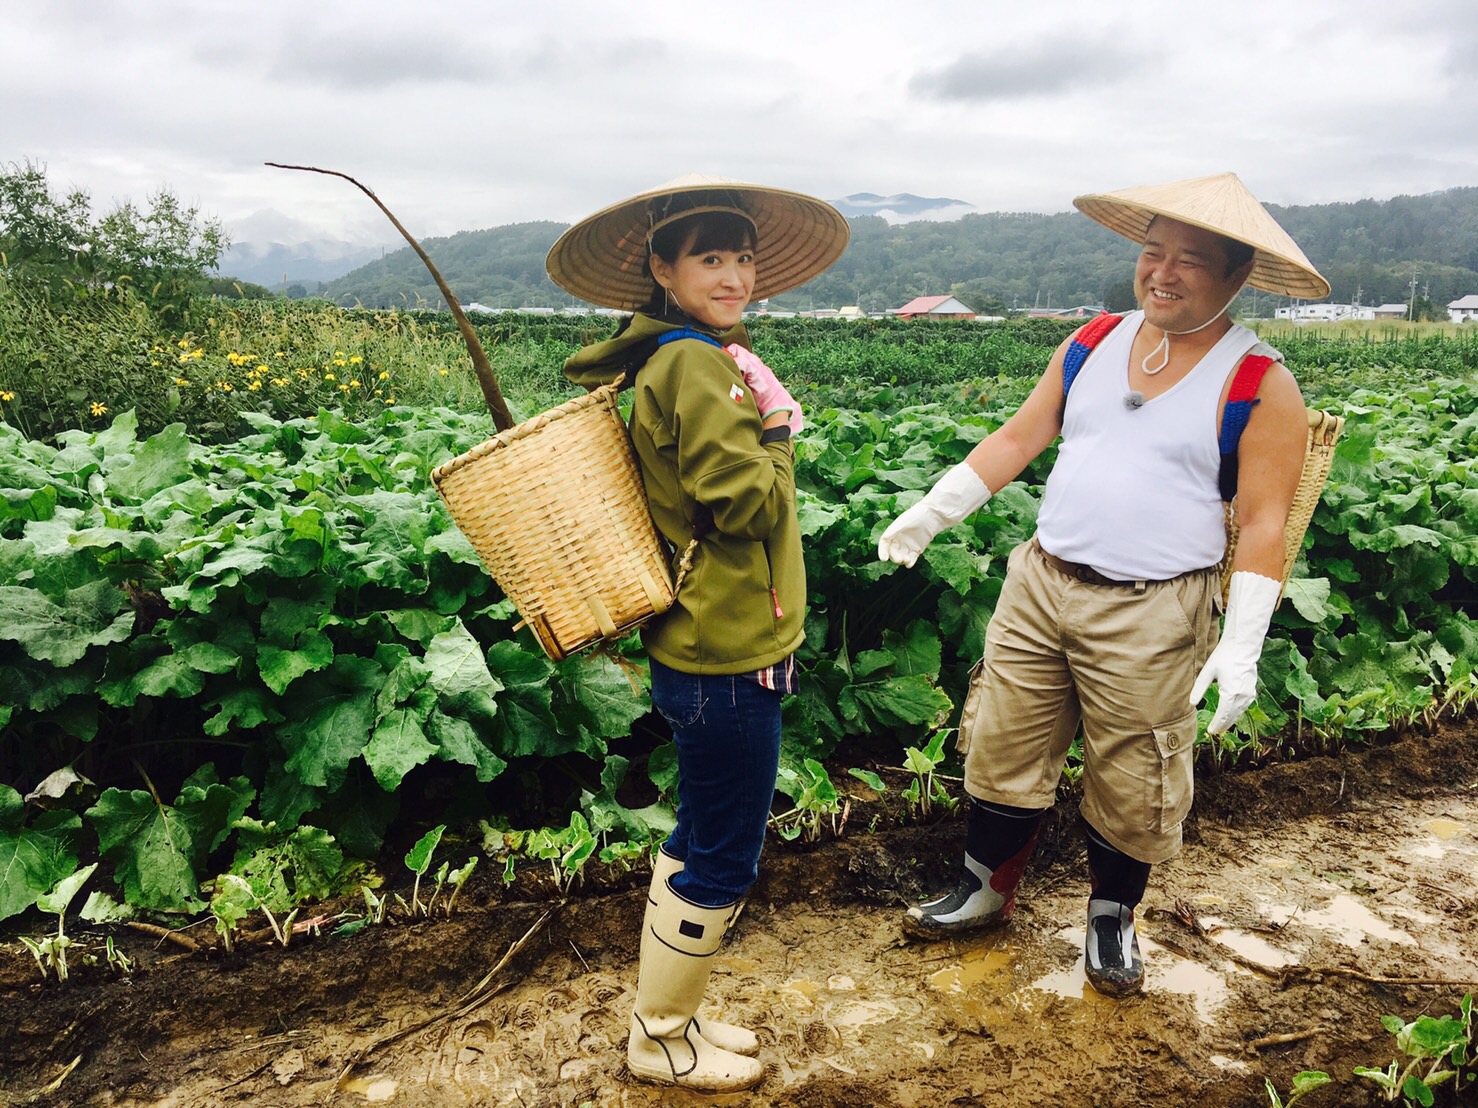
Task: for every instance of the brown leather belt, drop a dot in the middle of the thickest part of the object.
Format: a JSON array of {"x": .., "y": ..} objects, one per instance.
[{"x": 1085, "y": 573}]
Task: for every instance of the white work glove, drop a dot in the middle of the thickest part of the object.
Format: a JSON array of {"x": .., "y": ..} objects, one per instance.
[
  {"x": 770, "y": 396},
  {"x": 954, "y": 496},
  {"x": 1233, "y": 664}
]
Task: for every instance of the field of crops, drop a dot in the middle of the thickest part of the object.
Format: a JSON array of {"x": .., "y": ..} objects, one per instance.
[{"x": 243, "y": 638}]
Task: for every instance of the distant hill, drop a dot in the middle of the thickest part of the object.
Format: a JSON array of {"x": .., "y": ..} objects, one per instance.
[{"x": 1369, "y": 248}]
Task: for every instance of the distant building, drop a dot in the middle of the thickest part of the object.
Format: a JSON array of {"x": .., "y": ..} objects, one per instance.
[
  {"x": 934, "y": 307},
  {"x": 1460, "y": 311},
  {"x": 852, "y": 311},
  {"x": 1081, "y": 311},
  {"x": 1325, "y": 313},
  {"x": 1389, "y": 311}
]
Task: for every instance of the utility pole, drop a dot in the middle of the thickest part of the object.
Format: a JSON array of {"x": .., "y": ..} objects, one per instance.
[{"x": 1411, "y": 311}]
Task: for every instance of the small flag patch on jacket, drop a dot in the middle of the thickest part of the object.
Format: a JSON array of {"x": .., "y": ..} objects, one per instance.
[{"x": 736, "y": 394}]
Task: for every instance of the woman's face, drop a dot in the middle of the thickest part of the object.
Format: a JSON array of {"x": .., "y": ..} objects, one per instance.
[{"x": 712, "y": 286}]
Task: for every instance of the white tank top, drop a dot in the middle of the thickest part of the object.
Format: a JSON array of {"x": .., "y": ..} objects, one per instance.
[{"x": 1134, "y": 490}]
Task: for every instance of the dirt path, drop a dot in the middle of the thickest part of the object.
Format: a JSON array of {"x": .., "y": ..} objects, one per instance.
[{"x": 1310, "y": 900}]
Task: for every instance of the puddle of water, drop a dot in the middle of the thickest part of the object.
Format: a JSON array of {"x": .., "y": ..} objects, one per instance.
[
  {"x": 1351, "y": 923},
  {"x": 1444, "y": 829},
  {"x": 1209, "y": 900},
  {"x": 862, "y": 1013},
  {"x": 373, "y": 1088},
  {"x": 973, "y": 969},
  {"x": 1252, "y": 947},
  {"x": 798, "y": 993},
  {"x": 1221, "y": 1061},
  {"x": 1164, "y": 972}
]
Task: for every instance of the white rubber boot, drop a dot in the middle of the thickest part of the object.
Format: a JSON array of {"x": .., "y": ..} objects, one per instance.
[
  {"x": 725, "y": 1036},
  {"x": 665, "y": 1044}
]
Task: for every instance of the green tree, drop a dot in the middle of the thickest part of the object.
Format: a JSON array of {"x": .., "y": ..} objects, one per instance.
[{"x": 160, "y": 253}]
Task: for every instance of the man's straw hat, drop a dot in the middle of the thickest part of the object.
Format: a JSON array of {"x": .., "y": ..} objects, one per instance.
[
  {"x": 602, "y": 258},
  {"x": 1221, "y": 203}
]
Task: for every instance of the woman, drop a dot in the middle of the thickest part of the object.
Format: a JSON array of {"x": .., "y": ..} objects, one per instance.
[{"x": 712, "y": 427}]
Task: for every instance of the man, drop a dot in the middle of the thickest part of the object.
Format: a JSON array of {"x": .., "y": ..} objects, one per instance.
[{"x": 1106, "y": 616}]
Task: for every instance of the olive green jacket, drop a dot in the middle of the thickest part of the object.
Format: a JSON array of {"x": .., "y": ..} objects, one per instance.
[{"x": 697, "y": 435}]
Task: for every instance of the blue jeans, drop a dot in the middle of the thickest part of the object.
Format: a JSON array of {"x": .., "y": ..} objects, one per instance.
[{"x": 727, "y": 730}]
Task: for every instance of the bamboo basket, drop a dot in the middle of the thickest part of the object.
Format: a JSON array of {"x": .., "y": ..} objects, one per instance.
[
  {"x": 554, "y": 506},
  {"x": 555, "y": 509},
  {"x": 1324, "y": 432}
]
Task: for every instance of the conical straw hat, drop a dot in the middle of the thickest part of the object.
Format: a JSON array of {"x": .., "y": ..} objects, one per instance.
[
  {"x": 1220, "y": 203},
  {"x": 602, "y": 258}
]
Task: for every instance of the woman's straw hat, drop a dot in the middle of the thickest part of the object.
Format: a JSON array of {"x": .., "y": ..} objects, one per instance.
[
  {"x": 603, "y": 258},
  {"x": 1221, "y": 203}
]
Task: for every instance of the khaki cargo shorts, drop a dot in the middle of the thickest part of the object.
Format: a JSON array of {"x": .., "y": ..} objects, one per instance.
[{"x": 1117, "y": 659}]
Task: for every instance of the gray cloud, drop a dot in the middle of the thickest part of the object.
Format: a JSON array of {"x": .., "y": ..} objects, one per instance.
[{"x": 1042, "y": 69}]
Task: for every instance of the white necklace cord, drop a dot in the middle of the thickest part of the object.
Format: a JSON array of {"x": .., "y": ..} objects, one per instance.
[{"x": 1163, "y": 348}]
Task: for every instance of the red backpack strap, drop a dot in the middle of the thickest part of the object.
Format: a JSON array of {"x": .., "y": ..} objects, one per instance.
[
  {"x": 1241, "y": 399},
  {"x": 1085, "y": 338}
]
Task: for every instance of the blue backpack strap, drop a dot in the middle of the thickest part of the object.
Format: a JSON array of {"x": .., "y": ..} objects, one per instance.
[
  {"x": 687, "y": 333},
  {"x": 1241, "y": 399},
  {"x": 1085, "y": 338}
]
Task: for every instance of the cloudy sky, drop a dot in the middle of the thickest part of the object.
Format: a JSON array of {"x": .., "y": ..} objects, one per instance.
[{"x": 468, "y": 115}]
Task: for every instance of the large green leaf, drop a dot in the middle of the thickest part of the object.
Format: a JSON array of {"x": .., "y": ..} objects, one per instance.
[
  {"x": 159, "y": 463},
  {"x": 158, "y": 850},
  {"x": 398, "y": 745},
  {"x": 61, "y": 633},
  {"x": 34, "y": 858}
]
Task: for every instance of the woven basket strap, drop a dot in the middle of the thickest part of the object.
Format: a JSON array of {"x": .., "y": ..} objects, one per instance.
[
  {"x": 1324, "y": 432},
  {"x": 684, "y": 564}
]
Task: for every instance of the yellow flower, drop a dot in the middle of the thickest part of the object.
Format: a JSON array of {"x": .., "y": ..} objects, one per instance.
[
  {"x": 389, "y": 400},
  {"x": 184, "y": 357},
  {"x": 302, "y": 373},
  {"x": 262, "y": 369},
  {"x": 224, "y": 386},
  {"x": 280, "y": 354},
  {"x": 255, "y": 385},
  {"x": 340, "y": 362},
  {"x": 343, "y": 388},
  {"x": 184, "y": 344},
  {"x": 6, "y": 395},
  {"x": 181, "y": 381},
  {"x": 384, "y": 375},
  {"x": 339, "y": 354},
  {"x": 99, "y": 409},
  {"x": 355, "y": 360},
  {"x": 197, "y": 354},
  {"x": 354, "y": 384},
  {"x": 442, "y": 372},
  {"x": 329, "y": 376},
  {"x": 153, "y": 363}
]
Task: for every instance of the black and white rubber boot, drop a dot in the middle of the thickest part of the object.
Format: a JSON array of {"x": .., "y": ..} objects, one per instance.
[
  {"x": 985, "y": 896},
  {"x": 1111, "y": 954},
  {"x": 1111, "y": 950}
]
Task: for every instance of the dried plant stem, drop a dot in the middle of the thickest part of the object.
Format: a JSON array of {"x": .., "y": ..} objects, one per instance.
[{"x": 490, "y": 390}]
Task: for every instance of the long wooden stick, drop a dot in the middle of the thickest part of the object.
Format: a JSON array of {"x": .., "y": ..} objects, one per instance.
[{"x": 490, "y": 390}]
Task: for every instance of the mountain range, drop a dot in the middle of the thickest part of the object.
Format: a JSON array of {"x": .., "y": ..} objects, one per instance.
[{"x": 902, "y": 246}]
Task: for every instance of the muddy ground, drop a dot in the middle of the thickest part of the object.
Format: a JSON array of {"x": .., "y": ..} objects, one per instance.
[{"x": 1310, "y": 900}]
